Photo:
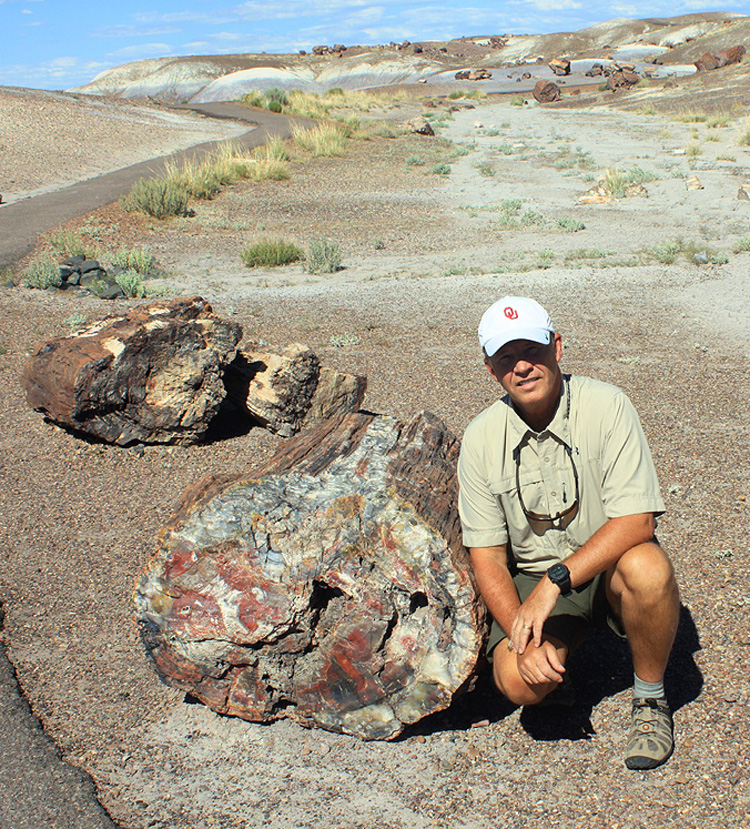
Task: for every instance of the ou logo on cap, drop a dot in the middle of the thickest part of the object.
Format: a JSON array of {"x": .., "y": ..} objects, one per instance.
[{"x": 511, "y": 313}]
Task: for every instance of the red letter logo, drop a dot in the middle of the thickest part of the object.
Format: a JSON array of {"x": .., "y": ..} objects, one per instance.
[{"x": 511, "y": 313}]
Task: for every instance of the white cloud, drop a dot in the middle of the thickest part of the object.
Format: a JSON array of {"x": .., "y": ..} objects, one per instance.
[
  {"x": 143, "y": 50},
  {"x": 134, "y": 31}
]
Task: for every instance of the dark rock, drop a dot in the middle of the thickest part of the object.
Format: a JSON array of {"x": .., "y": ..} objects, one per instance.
[
  {"x": 154, "y": 375},
  {"x": 715, "y": 60},
  {"x": 546, "y": 92},
  {"x": 75, "y": 261},
  {"x": 111, "y": 290},
  {"x": 595, "y": 71},
  {"x": 622, "y": 80},
  {"x": 417, "y": 49},
  {"x": 329, "y": 586},
  {"x": 89, "y": 265}
]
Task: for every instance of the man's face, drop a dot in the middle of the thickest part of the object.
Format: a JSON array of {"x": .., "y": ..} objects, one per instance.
[{"x": 529, "y": 372}]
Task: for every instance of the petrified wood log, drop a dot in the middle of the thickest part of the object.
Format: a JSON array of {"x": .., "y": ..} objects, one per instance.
[
  {"x": 290, "y": 391},
  {"x": 329, "y": 586},
  {"x": 546, "y": 92},
  {"x": 153, "y": 375}
]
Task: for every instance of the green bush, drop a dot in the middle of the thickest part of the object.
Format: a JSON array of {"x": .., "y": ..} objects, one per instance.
[
  {"x": 69, "y": 243},
  {"x": 157, "y": 197},
  {"x": 131, "y": 283},
  {"x": 440, "y": 169},
  {"x": 517, "y": 100},
  {"x": 276, "y": 94},
  {"x": 271, "y": 253},
  {"x": 254, "y": 99},
  {"x": 415, "y": 161},
  {"x": 336, "y": 90},
  {"x": 570, "y": 225},
  {"x": 322, "y": 256},
  {"x": 275, "y": 106},
  {"x": 135, "y": 259},
  {"x": 42, "y": 273}
]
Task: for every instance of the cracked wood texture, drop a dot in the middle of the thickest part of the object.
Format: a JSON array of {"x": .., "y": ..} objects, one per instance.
[
  {"x": 329, "y": 586},
  {"x": 154, "y": 375}
]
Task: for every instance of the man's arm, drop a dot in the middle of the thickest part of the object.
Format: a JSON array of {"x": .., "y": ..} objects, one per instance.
[
  {"x": 600, "y": 553},
  {"x": 495, "y": 583}
]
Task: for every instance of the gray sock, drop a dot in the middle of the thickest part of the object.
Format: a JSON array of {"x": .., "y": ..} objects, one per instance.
[{"x": 647, "y": 690}]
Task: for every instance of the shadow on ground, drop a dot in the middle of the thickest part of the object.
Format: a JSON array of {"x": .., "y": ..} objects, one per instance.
[{"x": 600, "y": 668}]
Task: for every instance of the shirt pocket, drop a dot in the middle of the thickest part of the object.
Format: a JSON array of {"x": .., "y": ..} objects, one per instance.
[{"x": 520, "y": 534}]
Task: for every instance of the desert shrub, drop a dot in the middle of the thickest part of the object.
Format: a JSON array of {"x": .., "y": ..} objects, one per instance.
[
  {"x": 135, "y": 259},
  {"x": 275, "y": 106},
  {"x": 667, "y": 253},
  {"x": 545, "y": 258},
  {"x": 415, "y": 161},
  {"x": 69, "y": 243},
  {"x": 76, "y": 321},
  {"x": 693, "y": 150},
  {"x": 335, "y": 91},
  {"x": 456, "y": 94},
  {"x": 254, "y": 99},
  {"x": 323, "y": 140},
  {"x": 614, "y": 182},
  {"x": 440, "y": 169},
  {"x": 461, "y": 151},
  {"x": 517, "y": 100},
  {"x": 274, "y": 148},
  {"x": 157, "y": 197},
  {"x": 42, "y": 273},
  {"x": 637, "y": 175},
  {"x": 271, "y": 253},
  {"x": 485, "y": 169},
  {"x": 131, "y": 283},
  {"x": 743, "y": 244},
  {"x": 276, "y": 94},
  {"x": 570, "y": 225},
  {"x": 322, "y": 256},
  {"x": 342, "y": 340}
]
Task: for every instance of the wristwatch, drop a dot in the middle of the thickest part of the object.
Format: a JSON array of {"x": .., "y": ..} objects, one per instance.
[{"x": 560, "y": 575}]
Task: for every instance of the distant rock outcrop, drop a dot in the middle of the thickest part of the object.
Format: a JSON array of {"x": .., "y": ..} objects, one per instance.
[{"x": 715, "y": 60}]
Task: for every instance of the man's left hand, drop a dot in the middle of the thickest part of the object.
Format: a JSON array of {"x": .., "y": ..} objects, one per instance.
[{"x": 531, "y": 616}]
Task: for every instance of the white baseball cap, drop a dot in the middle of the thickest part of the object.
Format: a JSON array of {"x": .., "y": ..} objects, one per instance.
[{"x": 514, "y": 318}]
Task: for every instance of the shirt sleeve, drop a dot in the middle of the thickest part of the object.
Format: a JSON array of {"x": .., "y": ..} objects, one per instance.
[
  {"x": 629, "y": 481},
  {"x": 482, "y": 517}
]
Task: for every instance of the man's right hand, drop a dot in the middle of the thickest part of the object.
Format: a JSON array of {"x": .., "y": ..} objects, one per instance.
[{"x": 540, "y": 664}]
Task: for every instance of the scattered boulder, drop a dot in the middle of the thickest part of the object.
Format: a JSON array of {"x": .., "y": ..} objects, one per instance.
[
  {"x": 473, "y": 75},
  {"x": 743, "y": 194},
  {"x": 560, "y": 66},
  {"x": 420, "y": 125},
  {"x": 595, "y": 71},
  {"x": 329, "y": 586},
  {"x": 154, "y": 375},
  {"x": 715, "y": 60},
  {"x": 546, "y": 92},
  {"x": 622, "y": 80},
  {"x": 693, "y": 183}
]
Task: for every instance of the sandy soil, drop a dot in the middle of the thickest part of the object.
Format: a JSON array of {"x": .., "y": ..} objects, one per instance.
[
  {"x": 424, "y": 255},
  {"x": 50, "y": 140}
]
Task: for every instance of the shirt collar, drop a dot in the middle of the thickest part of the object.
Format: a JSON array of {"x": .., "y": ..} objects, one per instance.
[{"x": 559, "y": 427}]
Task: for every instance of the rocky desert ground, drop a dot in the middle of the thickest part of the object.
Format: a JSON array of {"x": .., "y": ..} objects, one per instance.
[{"x": 650, "y": 292}]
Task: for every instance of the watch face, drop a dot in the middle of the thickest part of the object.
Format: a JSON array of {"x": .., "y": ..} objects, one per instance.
[{"x": 557, "y": 572}]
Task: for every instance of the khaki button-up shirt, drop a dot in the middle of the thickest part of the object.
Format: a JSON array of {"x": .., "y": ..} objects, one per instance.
[{"x": 546, "y": 493}]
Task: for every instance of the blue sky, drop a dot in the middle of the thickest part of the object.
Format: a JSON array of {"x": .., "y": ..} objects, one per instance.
[{"x": 57, "y": 44}]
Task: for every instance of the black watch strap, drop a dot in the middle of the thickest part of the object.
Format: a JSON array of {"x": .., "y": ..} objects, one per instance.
[{"x": 560, "y": 575}]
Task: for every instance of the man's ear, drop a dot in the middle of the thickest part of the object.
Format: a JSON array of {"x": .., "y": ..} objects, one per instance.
[
  {"x": 491, "y": 370},
  {"x": 558, "y": 347}
]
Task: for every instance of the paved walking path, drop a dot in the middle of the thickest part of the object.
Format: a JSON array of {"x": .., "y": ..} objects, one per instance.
[{"x": 22, "y": 222}]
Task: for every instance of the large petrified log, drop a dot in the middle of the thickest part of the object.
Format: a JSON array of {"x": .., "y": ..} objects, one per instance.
[
  {"x": 153, "y": 375},
  {"x": 329, "y": 586}
]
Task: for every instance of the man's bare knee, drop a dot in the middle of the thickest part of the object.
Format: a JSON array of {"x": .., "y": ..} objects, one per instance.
[{"x": 644, "y": 570}]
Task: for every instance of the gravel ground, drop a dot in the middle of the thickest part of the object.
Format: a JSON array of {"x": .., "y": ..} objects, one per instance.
[{"x": 78, "y": 519}]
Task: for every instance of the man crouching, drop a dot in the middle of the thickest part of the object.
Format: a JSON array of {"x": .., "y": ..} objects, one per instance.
[{"x": 558, "y": 502}]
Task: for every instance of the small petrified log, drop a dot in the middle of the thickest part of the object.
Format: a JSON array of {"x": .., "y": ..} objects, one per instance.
[
  {"x": 546, "y": 92},
  {"x": 560, "y": 66},
  {"x": 153, "y": 375},
  {"x": 723, "y": 57},
  {"x": 290, "y": 391},
  {"x": 329, "y": 586}
]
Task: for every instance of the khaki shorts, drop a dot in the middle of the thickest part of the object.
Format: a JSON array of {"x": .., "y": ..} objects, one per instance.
[{"x": 572, "y": 617}]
